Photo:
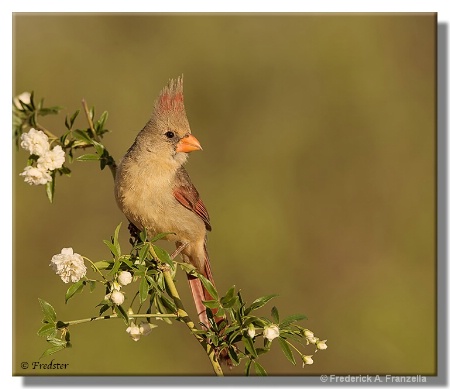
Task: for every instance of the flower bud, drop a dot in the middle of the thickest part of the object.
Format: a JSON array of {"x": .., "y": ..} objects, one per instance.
[
  {"x": 145, "y": 328},
  {"x": 312, "y": 340},
  {"x": 134, "y": 331},
  {"x": 25, "y": 97},
  {"x": 307, "y": 333},
  {"x": 117, "y": 297},
  {"x": 125, "y": 278},
  {"x": 307, "y": 360},
  {"x": 271, "y": 332},
  {"x": 321, "y": 345},
  {"x": 251, "y": 331}
]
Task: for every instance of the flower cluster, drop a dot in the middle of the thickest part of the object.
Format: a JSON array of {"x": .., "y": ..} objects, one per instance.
[
  {"x": 272, "y": 332},
  {"x": 116, "y": 296},
  {"x": 68, "y": 265},
  {"x": 36, "y": 142},
  {"x": 137, "y": 331}
]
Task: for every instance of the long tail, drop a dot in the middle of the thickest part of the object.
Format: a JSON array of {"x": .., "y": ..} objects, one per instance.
[{"x": 199, "y": 292}]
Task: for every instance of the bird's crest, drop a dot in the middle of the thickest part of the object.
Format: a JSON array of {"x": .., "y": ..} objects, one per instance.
[{"x": 171, "y": 97}]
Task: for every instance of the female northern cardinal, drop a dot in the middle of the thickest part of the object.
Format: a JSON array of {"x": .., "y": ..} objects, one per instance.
[{"x": 154, "y": 190}]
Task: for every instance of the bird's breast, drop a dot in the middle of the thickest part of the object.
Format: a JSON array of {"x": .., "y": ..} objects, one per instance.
[{"x": 145, "y": 196}]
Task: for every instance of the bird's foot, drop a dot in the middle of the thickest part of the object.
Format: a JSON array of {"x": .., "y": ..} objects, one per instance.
[{"x": 179, "y": 249}]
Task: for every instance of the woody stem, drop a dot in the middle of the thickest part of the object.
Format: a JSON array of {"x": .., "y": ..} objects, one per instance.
[{"x": 184, "y": 317}]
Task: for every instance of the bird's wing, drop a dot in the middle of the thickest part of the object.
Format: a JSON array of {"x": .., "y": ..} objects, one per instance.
[{"x": 185, "y": 192}]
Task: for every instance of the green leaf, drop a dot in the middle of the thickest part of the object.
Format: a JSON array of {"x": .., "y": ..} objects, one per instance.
[
  {"x": 258, "y": 303},
  {"x": 56, "y": 342},
  {"x": 111, "y": 247},
  {"x": 82, "y": 136},
  {"x": 168, "y": 304},
  {"x": 121, "y": 313},
  {"x": 50, "y": 187},
  {"x": 249, "y": 346},
  {"x": 73, "y": 117},
  {"x": 275, "y": 315},
  {"x": 52, "y": 350},
  {"x": 92, "y": 285},
  {"x": 88, "y": 157},
  {"x": 291, "y": 319},
  {"x": 143, "y": 235},
  {"x": 262, "y": 350},
  {"x": 233, "y": 355},
  {"x": 48, "y": 311},
  {"x": 101, "y": 122},
  {"x": 160, "y": 236},
  {"x": 286, "y": 350},
  {"x": 163, "y": 256},
  {"x": 248, "y": 364},
  {"x": 116, "y": 239},
  {"x": 103, "y": 308},
  {"x": 230, "y": 303},
  {"x": 92, "y": 113},
  {"x": 228, "y": 296},
  {"x": 211, "y": 304},
  {"x": 99, "y": 148},
  {"x": 209, "y": 286},
  {"x": 255, "y": 320},
  {"x": 103, "y": 264},
  {"x": 143, "y": 290},
  {"x": 231, "y": 329},
  {"x": 75, "y": 288},
  {"x": 48, "y": 329},
  {"x": 116, "y": 266},
  {"x": 64, "y": 170},
  {"x": 143, "y": 252},
  {"x": 259, "y": 370}
]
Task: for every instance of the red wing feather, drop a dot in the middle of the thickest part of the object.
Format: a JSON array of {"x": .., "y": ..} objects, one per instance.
[{"x": 188, "y": 196}]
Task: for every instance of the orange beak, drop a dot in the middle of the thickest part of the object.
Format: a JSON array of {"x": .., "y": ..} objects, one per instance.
[{"x": 188, "y": 144}]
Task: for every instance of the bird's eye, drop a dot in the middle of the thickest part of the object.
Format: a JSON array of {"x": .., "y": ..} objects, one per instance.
[{"x": 169, "y": 134}]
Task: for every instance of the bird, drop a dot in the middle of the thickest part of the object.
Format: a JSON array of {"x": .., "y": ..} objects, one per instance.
[{"x": 154, "y": 190}]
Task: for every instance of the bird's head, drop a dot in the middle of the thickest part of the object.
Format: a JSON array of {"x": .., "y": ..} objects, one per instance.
[{"x": 168, "y": 130}]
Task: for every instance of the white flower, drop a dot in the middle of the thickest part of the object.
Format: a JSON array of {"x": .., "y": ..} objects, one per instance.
[
  {"x": 52, "y": 159},
  {"x": 35, "y": 176},
  {"x": 321, "y": 345},
  {"x": 251, "y": 331},
  {"x": 307, "y": 360},
  {"x": 271, "y": 332},
  {"x": 36, "y": 142},
  {"x": 145, "y": 328},
  {"x": 68, "y": 265},
  {"x": 134, "y": 331},
  {"x": 308, "y": 333},
  {"x": 312, "y": 340},
  {"x": 137, "y": 331},
  {"x": 125, "y": 278},
  {"x": 24, "y": 97},
  {"x": 117, "y": 297}
]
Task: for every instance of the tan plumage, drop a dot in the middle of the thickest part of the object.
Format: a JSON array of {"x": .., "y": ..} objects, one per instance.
[{"x": 155, "y": 192}]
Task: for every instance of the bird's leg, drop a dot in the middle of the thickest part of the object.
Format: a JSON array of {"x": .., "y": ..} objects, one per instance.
[{"x": 179, "y": 249}]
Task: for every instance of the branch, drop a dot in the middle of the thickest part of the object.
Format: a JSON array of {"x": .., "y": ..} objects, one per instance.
[
  {"x": 187, "y": 320},
  {"x": 184, "y": 317},
  {"x": 114, "y": 316}
]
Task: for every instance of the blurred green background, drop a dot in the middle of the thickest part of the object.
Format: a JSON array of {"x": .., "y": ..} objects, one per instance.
[{"x": 318, "y": 172}]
